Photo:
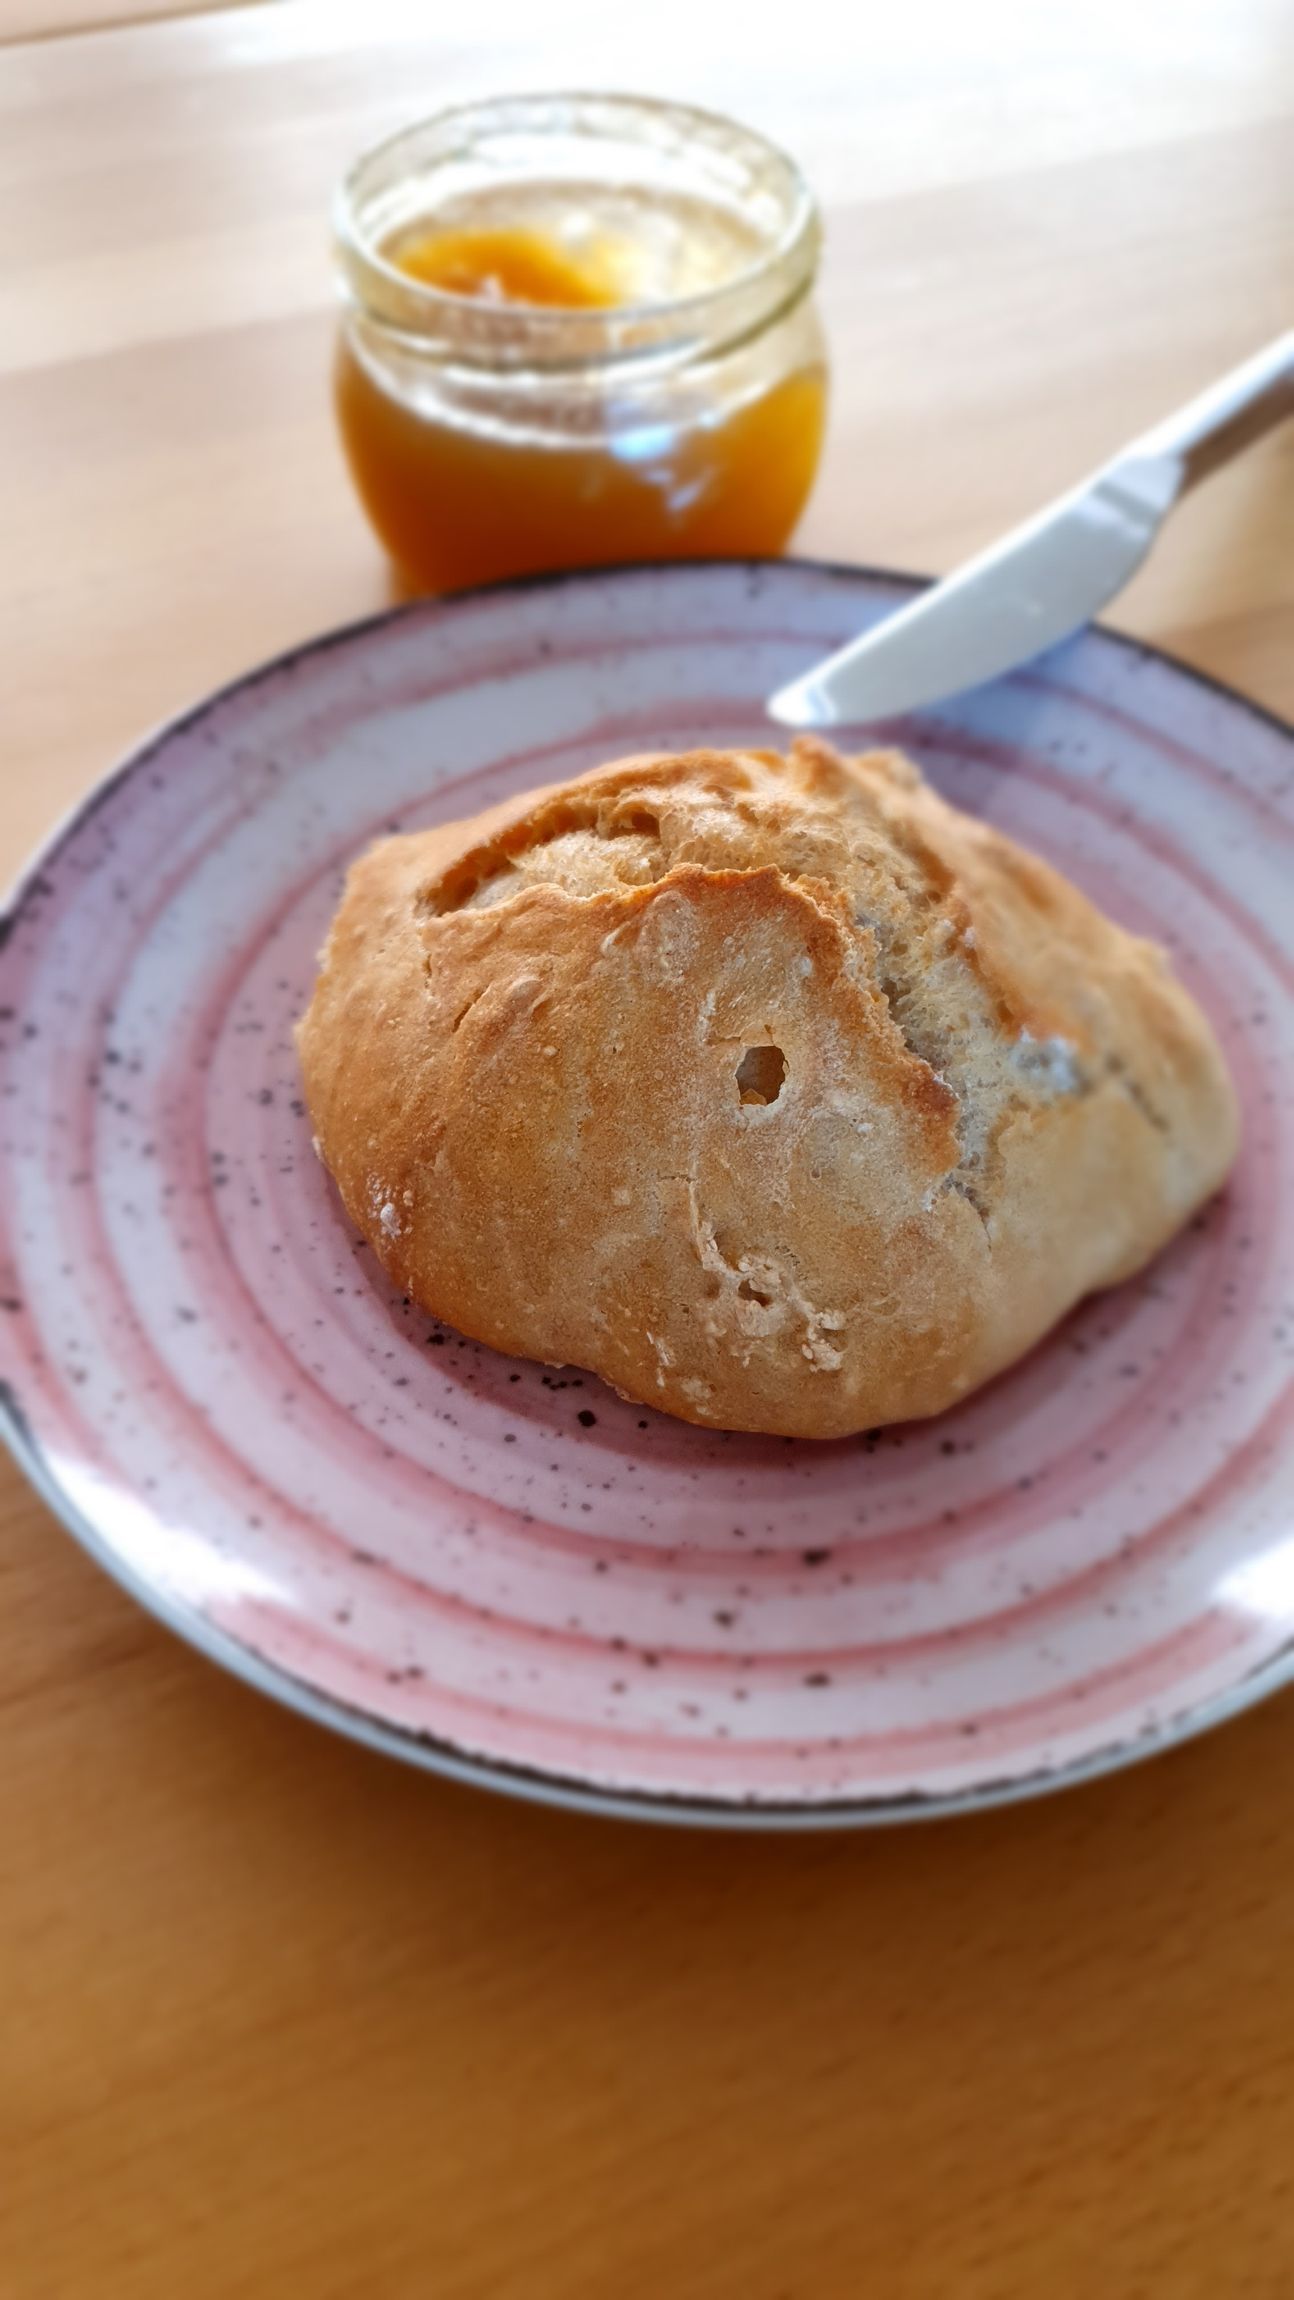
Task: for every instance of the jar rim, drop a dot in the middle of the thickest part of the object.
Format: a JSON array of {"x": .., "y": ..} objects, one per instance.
[{"x": 441, "y": 320}]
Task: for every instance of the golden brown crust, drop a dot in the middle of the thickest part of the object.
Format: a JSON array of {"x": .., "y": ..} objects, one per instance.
[{"x": 775, "y": 1091}]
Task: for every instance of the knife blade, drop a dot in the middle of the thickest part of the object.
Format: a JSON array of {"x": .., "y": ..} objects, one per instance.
[{"x": 1048, "y": 577}]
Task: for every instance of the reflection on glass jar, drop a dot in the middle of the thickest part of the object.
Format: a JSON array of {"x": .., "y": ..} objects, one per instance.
[{"x": 577, "y": 330}]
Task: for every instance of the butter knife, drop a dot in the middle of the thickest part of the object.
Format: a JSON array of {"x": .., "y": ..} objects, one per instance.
[{"x": 1047, "y": 578}]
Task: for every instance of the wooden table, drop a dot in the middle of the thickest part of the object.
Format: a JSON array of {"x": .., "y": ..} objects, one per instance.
[{"x": 276, "y": 2017}]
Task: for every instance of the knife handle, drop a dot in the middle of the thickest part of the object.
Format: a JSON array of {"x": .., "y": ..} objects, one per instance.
[{"x": 1230, "y": 415}]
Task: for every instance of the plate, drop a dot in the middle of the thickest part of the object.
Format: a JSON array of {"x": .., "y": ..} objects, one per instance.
[{"x": 505, "y": 1572}]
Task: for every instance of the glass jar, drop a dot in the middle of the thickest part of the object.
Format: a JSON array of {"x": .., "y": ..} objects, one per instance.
[{"x": 675, "y": 411}]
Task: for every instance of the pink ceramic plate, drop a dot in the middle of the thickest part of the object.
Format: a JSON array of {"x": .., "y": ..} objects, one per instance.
[{"x": 507, "y": 1573}]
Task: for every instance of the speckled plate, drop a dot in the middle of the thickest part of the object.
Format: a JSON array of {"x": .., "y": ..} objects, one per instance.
[{"x": 507, "y": 1573}]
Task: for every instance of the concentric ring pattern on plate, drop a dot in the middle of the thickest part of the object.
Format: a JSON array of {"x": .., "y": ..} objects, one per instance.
[{"x": 493, "y": 1565}]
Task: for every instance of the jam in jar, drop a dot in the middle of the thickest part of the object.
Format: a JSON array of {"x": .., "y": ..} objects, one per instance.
[{"x": 577, "y": 330}]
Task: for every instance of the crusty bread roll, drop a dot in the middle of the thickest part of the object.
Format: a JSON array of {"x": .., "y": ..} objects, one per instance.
[{"x": 775, "y": 1091}]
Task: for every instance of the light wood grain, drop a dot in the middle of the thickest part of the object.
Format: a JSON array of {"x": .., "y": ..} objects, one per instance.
[
  {"x": 50, "y": 19},
  {"x": 278, "y": 2018}
]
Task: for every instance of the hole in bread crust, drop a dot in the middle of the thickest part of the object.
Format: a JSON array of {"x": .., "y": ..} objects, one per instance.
[
  {"x": 761, "y": 1074},
  {"x": 751, "y": 1293}
]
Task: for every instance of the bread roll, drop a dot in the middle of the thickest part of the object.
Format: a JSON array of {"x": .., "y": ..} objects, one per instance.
[{"x": 775, "y": 1091}]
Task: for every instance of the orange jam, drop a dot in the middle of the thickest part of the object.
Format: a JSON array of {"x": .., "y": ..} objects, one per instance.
[
  {"x": 516, "y": 264},
  {"x": 472, "y": 473}
]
